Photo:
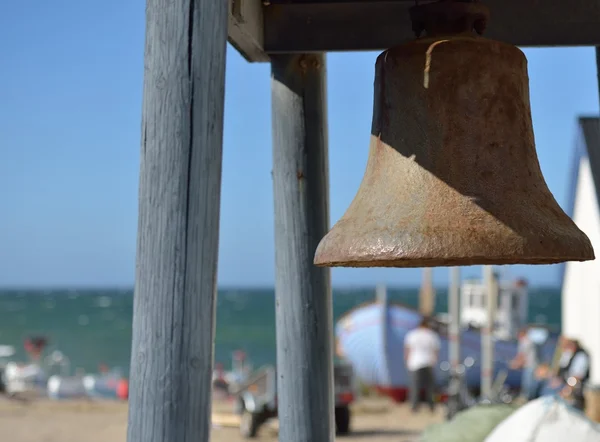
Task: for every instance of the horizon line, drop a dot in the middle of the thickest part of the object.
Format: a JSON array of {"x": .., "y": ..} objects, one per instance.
[{"x": 233, "y": 287}]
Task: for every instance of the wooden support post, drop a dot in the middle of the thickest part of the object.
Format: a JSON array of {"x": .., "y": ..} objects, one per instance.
[
  {"x": 303, "y": 292},
  {"x": 454, "y": 314},
  {"x": 381, "y": 297},
  {"x": 246, "y": 28},
  {"x": 487, "y": 338},
  {"x": 427, "y": 293},
  {"x": 178, "y": 229}
]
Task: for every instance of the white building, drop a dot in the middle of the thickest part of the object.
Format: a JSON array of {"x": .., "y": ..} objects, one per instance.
[
  {"x": 511, "y": 311},
  {"x": 581, "y": 280}
]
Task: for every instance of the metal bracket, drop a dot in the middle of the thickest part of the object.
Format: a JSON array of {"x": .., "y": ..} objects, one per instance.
[{"x": 449, "y": 17}]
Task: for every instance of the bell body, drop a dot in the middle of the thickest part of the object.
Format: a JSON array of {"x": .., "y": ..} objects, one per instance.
[{"x": 452, "y": 177}]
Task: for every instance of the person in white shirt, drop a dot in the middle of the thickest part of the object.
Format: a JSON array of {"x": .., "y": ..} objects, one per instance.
[
  {"x": 421, "y": 350},
  {"x": 527, "y": 360}
]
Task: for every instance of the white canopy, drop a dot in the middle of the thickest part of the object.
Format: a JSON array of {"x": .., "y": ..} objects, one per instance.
[{"x": 546, "y": 419}]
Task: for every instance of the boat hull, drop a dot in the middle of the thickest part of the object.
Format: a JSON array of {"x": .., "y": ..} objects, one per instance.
[{"x": 372, "y": 339}]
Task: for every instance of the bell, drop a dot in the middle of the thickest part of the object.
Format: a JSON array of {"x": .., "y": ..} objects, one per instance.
[{"x": 452, "y": 177}]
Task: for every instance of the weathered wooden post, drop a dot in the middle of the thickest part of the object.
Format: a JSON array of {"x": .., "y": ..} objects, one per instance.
[
  {"x": 178, "y": 230},
  {"x": 303, "y": 291},
  {"x": 427, "y": 293},
  {"x": 487, "y": 337},
  {"x": 454, "y": 316}
]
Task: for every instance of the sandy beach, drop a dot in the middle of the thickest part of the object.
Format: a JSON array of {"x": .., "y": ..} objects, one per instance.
[{"x": 48, "y": 421}]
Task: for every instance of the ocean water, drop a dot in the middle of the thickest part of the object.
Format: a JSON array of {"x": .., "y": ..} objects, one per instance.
[{"x": 93, "y": 327}]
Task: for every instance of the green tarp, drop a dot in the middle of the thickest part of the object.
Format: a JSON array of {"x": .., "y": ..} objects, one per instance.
[{"x": 472, "y": 425}]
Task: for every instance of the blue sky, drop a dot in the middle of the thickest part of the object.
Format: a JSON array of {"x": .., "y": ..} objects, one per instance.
[{"x": 70, "y": 111}]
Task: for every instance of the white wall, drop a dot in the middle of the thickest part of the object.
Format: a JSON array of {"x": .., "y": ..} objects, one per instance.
[{"x": 581, "y": 287}]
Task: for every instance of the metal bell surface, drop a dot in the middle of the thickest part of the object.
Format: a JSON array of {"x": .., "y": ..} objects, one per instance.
[{"x": 452, "y": 177}]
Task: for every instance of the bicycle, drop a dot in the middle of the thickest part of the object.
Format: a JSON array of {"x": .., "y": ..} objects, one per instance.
[{"x": 460, "y": 397}]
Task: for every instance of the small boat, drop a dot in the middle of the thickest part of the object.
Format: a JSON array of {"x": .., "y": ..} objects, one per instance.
[
  {"x": 66, "y": 387},
  {"x": 108, "y": 384},
  {"x": 371, "y": 337},
  {"x": 6, "y": 352},
  {"x": 24, "y": 379}
]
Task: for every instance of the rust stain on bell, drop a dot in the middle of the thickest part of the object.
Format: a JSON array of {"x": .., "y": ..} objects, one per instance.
[{"x": 452, "y": 177}]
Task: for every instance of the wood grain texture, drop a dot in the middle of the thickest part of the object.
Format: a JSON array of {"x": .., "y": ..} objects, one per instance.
[
  {"x": 178, "y": 227},
  {"x": 303, "y": 291}
]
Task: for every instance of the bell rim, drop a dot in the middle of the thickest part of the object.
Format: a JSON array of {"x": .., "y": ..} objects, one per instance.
[{"x": 408, "y": 262}]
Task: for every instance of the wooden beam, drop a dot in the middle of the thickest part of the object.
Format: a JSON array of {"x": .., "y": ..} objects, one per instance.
[
  {"x": 312, "y": 26},
  {"x": 246, "y": 29},
  {"x": 178, "y": 227},
  {"x": 303, "y": 291}
]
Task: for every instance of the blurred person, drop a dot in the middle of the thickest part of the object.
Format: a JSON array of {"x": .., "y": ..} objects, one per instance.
[
  {"x": 572, "y": 374},
  {"x": 421, "y": 351},
  {"x": 527, "y": 359},
  {"x": 559, "y": 361}
]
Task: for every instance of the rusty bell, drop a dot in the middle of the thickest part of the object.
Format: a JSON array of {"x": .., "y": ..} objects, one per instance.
[{"x": 452, "y": 177}]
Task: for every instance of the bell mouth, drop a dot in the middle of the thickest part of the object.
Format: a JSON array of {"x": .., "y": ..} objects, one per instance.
[
  {"x": 361, "y": 241},
  {"x": 364, "y": 262},
  {"x": 356, "y": 242}
]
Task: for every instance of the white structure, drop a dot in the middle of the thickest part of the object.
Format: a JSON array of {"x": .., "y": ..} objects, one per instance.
[
  {"x": 6, "y": 351},
  {"x": 24, "y": 379},
  {"x": 543, "y": 420},
  {"x": 581, "y": 280},
  {"x": 511, "y": 312}
]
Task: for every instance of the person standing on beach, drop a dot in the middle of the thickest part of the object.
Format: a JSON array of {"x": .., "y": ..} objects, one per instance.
[
  {"x": 421, "y": 350},
  {"x": 572, "y": 376},
  {"x": 527, "y": 360}
]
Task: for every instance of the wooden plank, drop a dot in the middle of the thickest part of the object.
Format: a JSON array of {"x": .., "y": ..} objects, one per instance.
[
  {"x": 377, "y": 25},
  {"x": 178, "y": 227},
  {"x": 245, "y": 31},
  {"x": 303, "y": 292}
]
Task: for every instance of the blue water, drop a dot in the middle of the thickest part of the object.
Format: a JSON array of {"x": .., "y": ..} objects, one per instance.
[{"x": 93, "y": 327}]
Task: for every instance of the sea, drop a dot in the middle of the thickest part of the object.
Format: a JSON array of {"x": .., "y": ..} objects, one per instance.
[{"x": 93, "y": 326}]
